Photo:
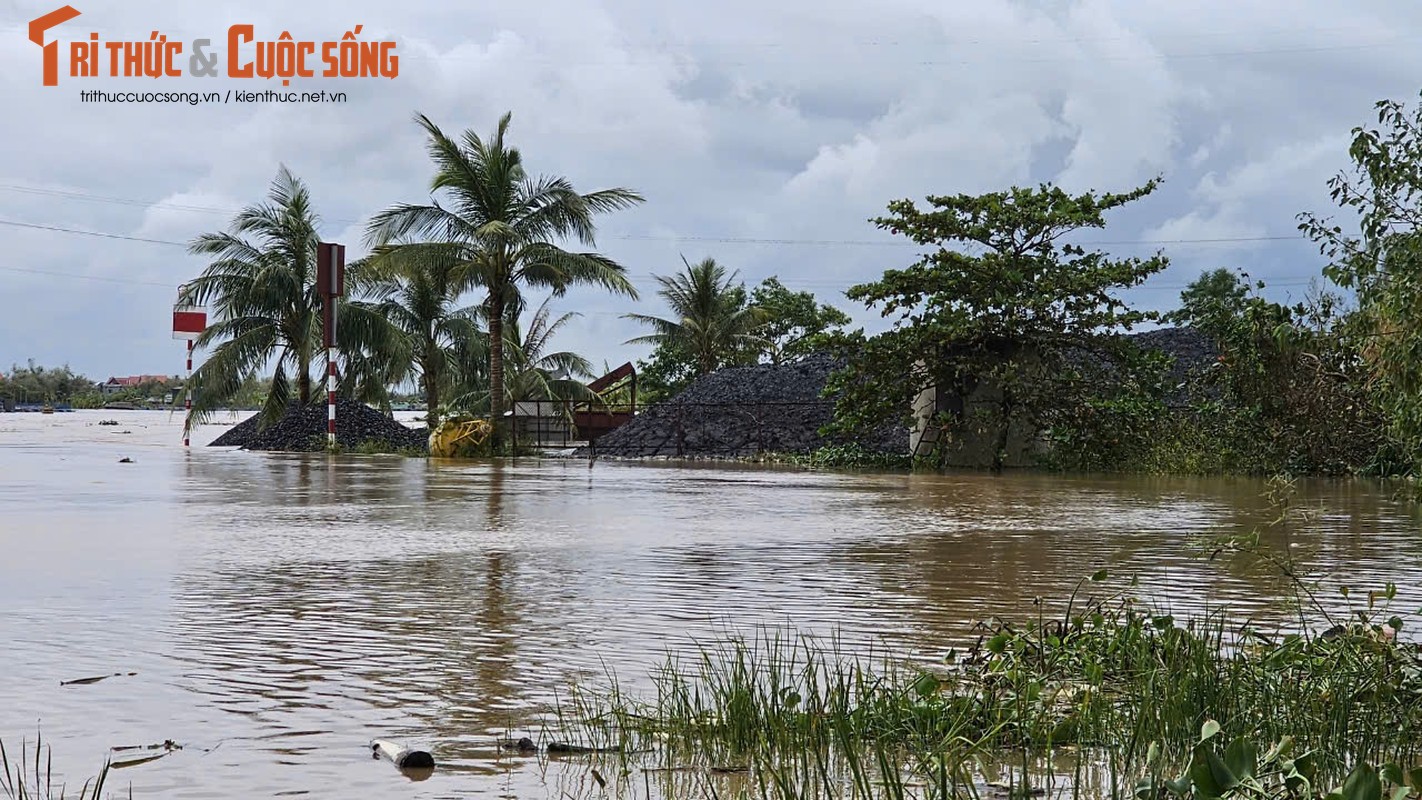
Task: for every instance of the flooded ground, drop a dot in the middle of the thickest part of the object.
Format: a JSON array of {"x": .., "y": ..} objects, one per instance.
[{"x": 278, "y": 611}]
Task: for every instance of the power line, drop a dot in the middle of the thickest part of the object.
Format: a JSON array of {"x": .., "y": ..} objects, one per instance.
[
  {"x": 60, "y": 229},
  {"x": 732, "y": 239},
  {"x": 838, "y": 285},
  {"x": 81, "y": 276}
]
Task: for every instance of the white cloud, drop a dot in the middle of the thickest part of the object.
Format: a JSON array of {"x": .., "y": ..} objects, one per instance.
[{"x": 738, "y": 120}]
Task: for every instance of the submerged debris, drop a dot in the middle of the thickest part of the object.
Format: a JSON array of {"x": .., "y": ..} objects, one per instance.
[
  {"x": 523, "y": 745},
  {"x": 97, "y": 678}
]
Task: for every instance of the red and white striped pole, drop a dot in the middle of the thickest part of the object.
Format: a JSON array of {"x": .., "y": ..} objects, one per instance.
[
  {"x": 189, "y": 321},
  {"x": 331, "y": 394},
  {"x": 331, "y": 280},
  {"x": 188, "y": 396}
]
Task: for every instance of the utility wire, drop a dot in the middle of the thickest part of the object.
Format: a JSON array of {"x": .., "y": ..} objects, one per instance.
[{"x": 729, "y": 239}]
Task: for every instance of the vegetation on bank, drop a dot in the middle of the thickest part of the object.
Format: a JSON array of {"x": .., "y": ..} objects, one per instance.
[
  {"x": 1099, "y": 697},
  {"x": 35, "y": 383},
  {"x": 1020, "y": 330},
  {"x": 31, "y": 776}
]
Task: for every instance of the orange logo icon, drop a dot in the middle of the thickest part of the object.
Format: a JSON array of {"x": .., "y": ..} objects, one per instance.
[{"x": 51, "y": 51}]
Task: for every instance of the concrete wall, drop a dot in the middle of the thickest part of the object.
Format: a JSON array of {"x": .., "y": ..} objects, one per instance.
[{"x": 971, "y": 439}]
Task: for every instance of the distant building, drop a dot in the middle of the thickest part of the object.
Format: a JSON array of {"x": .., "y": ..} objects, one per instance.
[{"x": 115, "y": 385}]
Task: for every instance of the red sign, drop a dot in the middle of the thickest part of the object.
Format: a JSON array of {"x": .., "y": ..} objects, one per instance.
[{"x": 188, "y": 322}]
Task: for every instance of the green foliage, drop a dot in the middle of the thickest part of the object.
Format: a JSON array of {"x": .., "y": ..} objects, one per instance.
[
  {"x": 417, "y": 288},
  {"x": 37, "y": 384},
  {"x": 1383, "y": 265},
  {"x": 500, "y": 224},
  {"x": 711, "y": 324},
  {"x": 1110, "y": 434},
  {"x": 261, "y": 285},
  {"x": 851, "y": 455},
  {"x": 795, "y": 323},
  {"x": 1294, "y": 375},
  {"x": 532, "y": 372},
  {"x": 1288, "y": 393},
  {"x": 1211, "y": 301},
  {"x": 1000, "y": 306},
  {"x": 1142, "y": 702},
  {"x": 723, "y": 326}
]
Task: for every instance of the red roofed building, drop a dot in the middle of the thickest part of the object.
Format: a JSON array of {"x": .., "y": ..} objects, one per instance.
[{"x": 116, "y": 385}]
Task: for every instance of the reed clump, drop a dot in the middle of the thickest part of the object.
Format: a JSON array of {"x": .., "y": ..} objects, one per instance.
[
  {"x": 1145, "y": 707},
  {"x": 31, "y": 776}
]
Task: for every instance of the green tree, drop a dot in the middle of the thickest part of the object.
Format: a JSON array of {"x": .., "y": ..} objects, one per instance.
[
  {"x": 1211, "y": 301},
  {"x": 417, "y": 287},
  {"x": 1383, "y": 262},
  {"x": 531, "y": 370},
  {"x": 795, "y": 323},
  {"x": 999, "y": 310},
  {"x": 261, "y": 285},
  {"x": 34, "y": 383},
  {"x": 539, "y": 373},
  {"x": 502, "y": 225},
  {"x": 711, "y": 323}
]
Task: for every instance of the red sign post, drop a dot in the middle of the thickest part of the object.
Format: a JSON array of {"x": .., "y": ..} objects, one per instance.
[
  {"x": 189, "y": 321},
  {"x": 331, "y": 283}
]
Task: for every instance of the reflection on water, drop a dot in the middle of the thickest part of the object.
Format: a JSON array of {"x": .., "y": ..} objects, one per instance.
[{"x": 280, "y": 611}]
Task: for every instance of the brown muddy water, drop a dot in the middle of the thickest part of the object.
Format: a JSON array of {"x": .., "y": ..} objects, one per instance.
[{"x": 279, "y": 612}]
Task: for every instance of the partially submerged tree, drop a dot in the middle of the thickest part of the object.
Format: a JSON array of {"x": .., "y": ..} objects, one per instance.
[
  {"x": 504, "y": 226},
  {"x": 417, "y": 287},
  {"x": 1001, "y": 310},
  {"x": 1383, "y": 262},
  {"x": 536, "y": 371}
]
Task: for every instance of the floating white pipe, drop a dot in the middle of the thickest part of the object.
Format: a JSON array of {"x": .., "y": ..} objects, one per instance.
[{"x": 402, "y": 757}]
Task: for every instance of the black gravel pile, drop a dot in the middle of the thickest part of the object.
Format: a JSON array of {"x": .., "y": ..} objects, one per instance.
[
  {"x": 744, "y": 411},
  {"x": 238, "y": 435},
  {"x": 739, "y": 412},
  {"x": 1192, "y": 353},
  {"x": 303, "y": 429}
]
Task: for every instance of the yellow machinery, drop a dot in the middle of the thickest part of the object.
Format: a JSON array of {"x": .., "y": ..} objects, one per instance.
[{"x": 460, "y": 437}]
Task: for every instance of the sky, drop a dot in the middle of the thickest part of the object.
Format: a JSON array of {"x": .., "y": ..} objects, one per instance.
[{"x": 765, "y": 135}]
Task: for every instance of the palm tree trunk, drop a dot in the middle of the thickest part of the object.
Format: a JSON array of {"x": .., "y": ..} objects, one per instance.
[
  {"x": 496, "y": 363},
  {"x": 431, "y": 381},
  {"x": 303, "y": 381}
]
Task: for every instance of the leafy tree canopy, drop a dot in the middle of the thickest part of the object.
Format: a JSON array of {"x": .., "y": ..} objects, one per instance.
[
  {"x": 999, "y": 299},
  {"x": 1383, "y": 262}
]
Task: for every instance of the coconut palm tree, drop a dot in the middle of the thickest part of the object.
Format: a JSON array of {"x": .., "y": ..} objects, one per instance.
[
  {"x": 531, "y": 372},
  {"x": 417, "y": 287},
  {"x": 503, "y": 225},
  {"x": 711, "y": 320},
  {"x": 536, "y": 374},
  {"x": 261, "y": 285}
]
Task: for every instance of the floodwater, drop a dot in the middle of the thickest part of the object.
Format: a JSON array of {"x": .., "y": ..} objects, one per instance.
[{"x": 278, "y": 611}]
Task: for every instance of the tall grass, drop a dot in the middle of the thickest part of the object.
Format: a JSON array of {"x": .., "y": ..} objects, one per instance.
[
  {"x": 31, "y": 776},
  {"x": 1124, "y": 692}
]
